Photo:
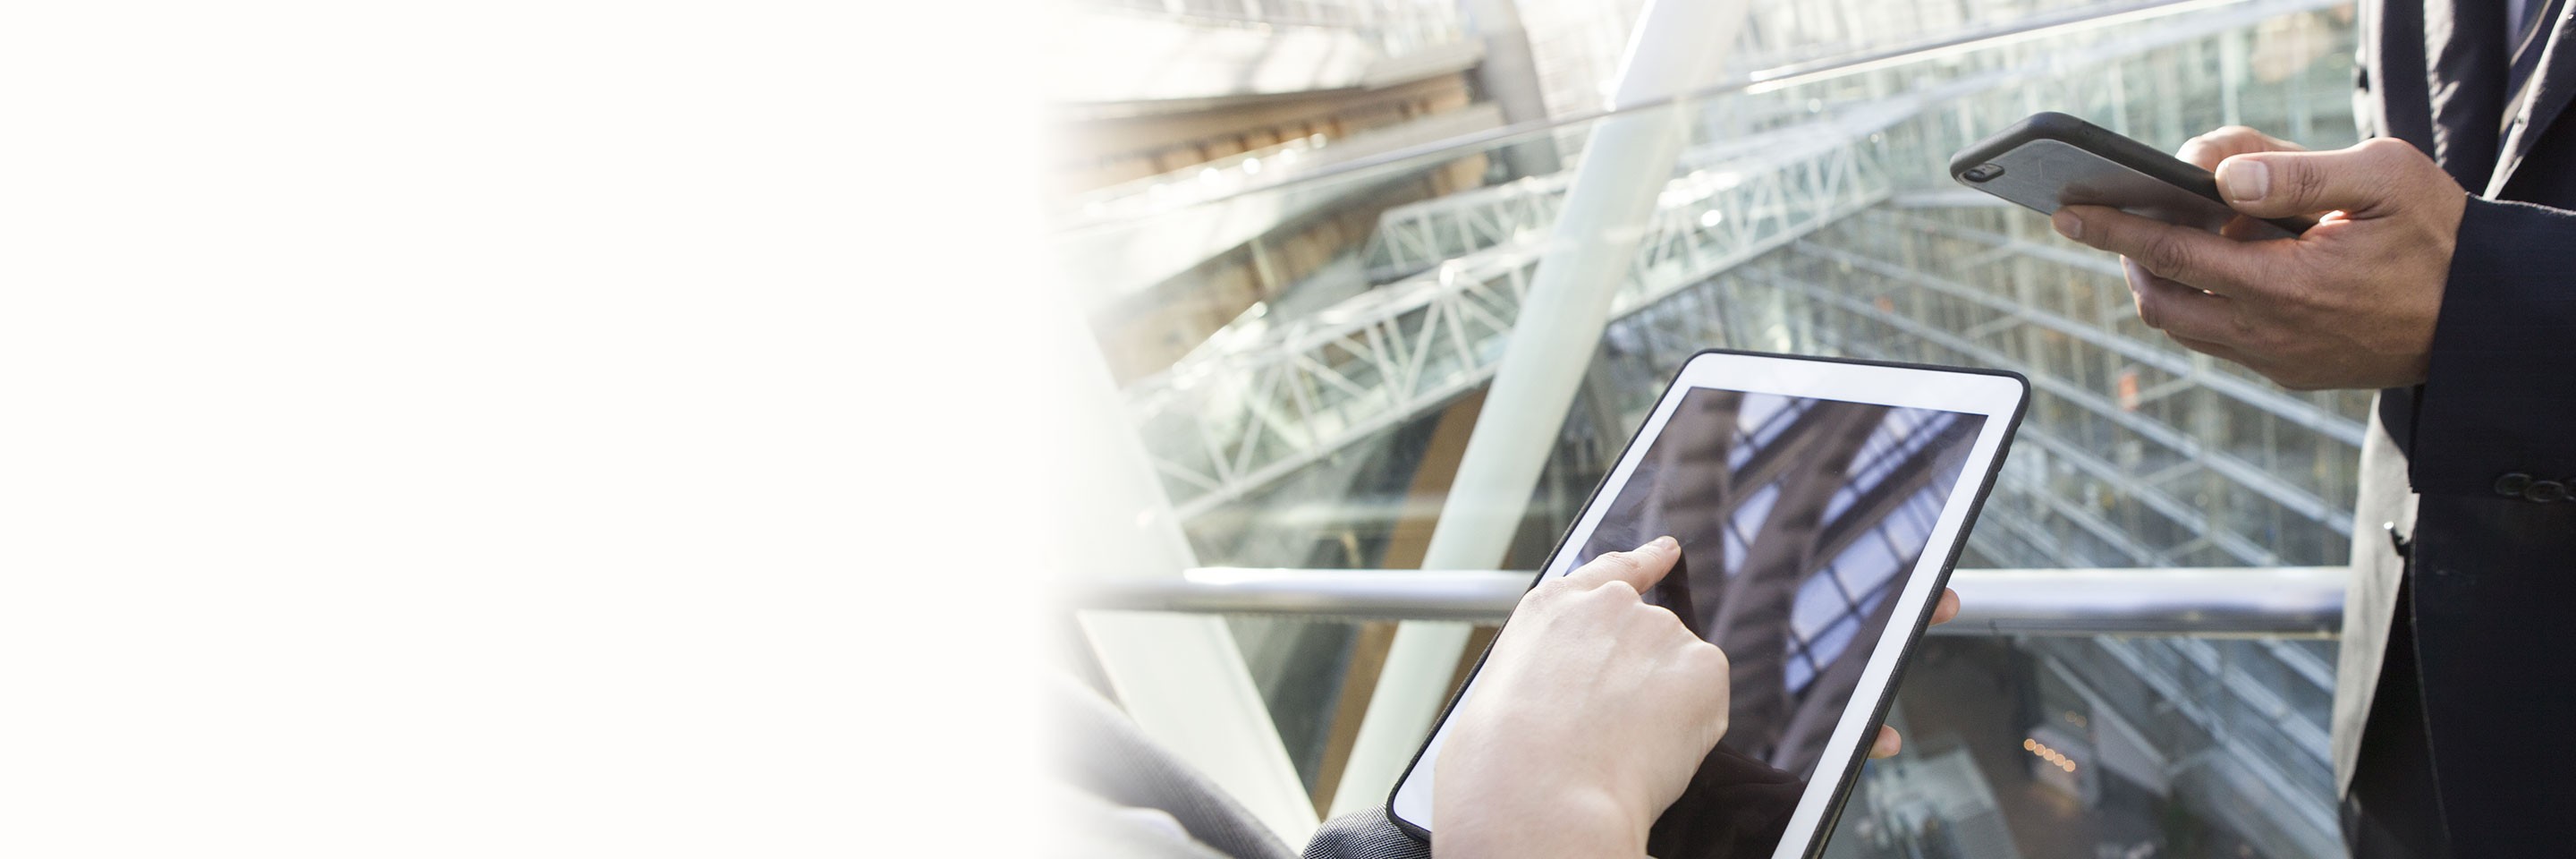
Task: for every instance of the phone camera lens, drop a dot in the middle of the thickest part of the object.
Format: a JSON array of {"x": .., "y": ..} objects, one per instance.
[{"x": 1982, "y": 172}]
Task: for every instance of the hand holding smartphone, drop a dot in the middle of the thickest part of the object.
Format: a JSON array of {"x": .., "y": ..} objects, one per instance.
[{"x": 2052, "y": 159}]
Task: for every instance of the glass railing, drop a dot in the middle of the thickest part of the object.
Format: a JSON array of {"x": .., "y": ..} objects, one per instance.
[
  {"x": 1394, "y": 26},
  {"x": 1277, "y": 221},
  {"x": 1795, "y": 33},
  {"x": 2089, "y": 747},
  {"x": 2134, "y": 712},
  {"x": 1814, "y": 216},
  {"x": 1420, "y": 317}
]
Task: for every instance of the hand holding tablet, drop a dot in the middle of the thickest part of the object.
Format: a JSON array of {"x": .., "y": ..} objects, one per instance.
[
  {"x": 1635, "y": 653},
  {"x": 1819, "y": 505},
  {"x": 1633, "y": 701}
]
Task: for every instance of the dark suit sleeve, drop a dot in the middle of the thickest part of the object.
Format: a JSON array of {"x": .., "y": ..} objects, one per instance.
[{"x": 2501, "y": 396}]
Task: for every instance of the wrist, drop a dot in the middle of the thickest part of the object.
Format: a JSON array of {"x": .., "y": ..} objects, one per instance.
[{"x": 1547, "y": 821}]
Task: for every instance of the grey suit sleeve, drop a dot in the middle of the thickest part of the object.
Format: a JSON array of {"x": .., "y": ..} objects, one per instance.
[
  {"x": 2498, "y": 411},
  {"x": 1364, "y": 835},
  {"x": 1098, "y": 752}
]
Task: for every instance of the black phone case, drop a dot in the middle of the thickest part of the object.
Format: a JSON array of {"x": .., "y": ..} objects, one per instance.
[
  {"x": 1904, "y": 657},
  {"x": 2109, "y": 146}
]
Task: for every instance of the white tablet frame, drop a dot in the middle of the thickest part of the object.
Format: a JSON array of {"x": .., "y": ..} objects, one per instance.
[{"x": 1999, "y": 396}]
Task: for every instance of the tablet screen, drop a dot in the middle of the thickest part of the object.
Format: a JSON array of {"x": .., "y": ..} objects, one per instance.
[
  {"x": 1812, "y": 529},
  {"x": 1798, "y": 518}
]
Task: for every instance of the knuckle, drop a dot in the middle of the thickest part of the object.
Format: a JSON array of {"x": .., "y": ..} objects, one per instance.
[
  {"x": 1618, "y": 588},
  {"x": 2296, "y": 306},
  {"x": 2390, "y": 159},
  {"x": 1612, "y": 564},
  {"x": 2244, "y": 330},
  {"x": 1662, "y": 618},
  {"x": 2199, "y": 149},
  {"x": 1567, "y": 594},
  {"x": 2209, "y": 148},
  {"x": 2386, "y": 147},
  {"x": 2165, "y": 255},
  {"x": 2234, "y": 133},
  {"x": 2304, "y": 183}
]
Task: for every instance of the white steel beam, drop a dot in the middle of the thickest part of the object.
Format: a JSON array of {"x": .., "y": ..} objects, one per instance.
[
  {"x": 1181, "y": 678},
  {"x": 1678, "y": 46}
]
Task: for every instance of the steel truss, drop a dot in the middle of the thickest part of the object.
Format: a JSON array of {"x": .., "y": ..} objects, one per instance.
[
  {"x": 1224, "y": 427},
  {"x": 1229, "y": 421},
  {"x": 2081, "y": 455},
  {"x": 2179, "y": 441}
]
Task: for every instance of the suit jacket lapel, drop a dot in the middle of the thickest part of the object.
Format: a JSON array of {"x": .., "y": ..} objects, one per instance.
[
  {"x": 2553, "y": 85},
  {"x": 2392, "y": 67},
  {"x": 2464, "y": 71}
]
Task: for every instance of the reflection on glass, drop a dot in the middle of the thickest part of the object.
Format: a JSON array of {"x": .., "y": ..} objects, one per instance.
[
  {"x": 2066, "y": 748},
  {"x": 1308, "y": 429},
  {"x": 1805, "y": 515}
]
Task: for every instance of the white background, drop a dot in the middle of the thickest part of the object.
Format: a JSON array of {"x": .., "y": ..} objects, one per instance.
[{"x": 526, "y": 428}]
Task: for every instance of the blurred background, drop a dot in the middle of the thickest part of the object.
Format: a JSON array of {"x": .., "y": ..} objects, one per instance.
[{"x": 1303, "y": 236}]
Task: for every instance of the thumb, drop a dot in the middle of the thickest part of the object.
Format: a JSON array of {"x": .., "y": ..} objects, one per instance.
[{"x": 2361, "y": 180}]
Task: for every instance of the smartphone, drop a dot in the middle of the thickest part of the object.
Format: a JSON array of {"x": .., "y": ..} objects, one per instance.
[{"x": 2052, "y": 159}]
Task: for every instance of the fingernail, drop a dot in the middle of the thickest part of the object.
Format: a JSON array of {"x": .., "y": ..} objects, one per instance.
[
  {"x": 2245, "y": 179},
  {"x": 2067, "y": 224},
  {"x": 1664, "y": 543}
]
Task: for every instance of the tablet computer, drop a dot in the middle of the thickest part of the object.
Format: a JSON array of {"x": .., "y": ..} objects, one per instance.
[{"x": 1820, "y": 504}]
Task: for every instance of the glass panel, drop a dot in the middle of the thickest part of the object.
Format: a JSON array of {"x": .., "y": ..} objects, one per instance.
[
  {"x": 1348, "y": 310},
  {"x": 2099, "y": 747}
]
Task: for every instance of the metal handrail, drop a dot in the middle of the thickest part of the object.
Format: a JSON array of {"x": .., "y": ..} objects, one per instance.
[{"x": 2231, "y": 602}]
